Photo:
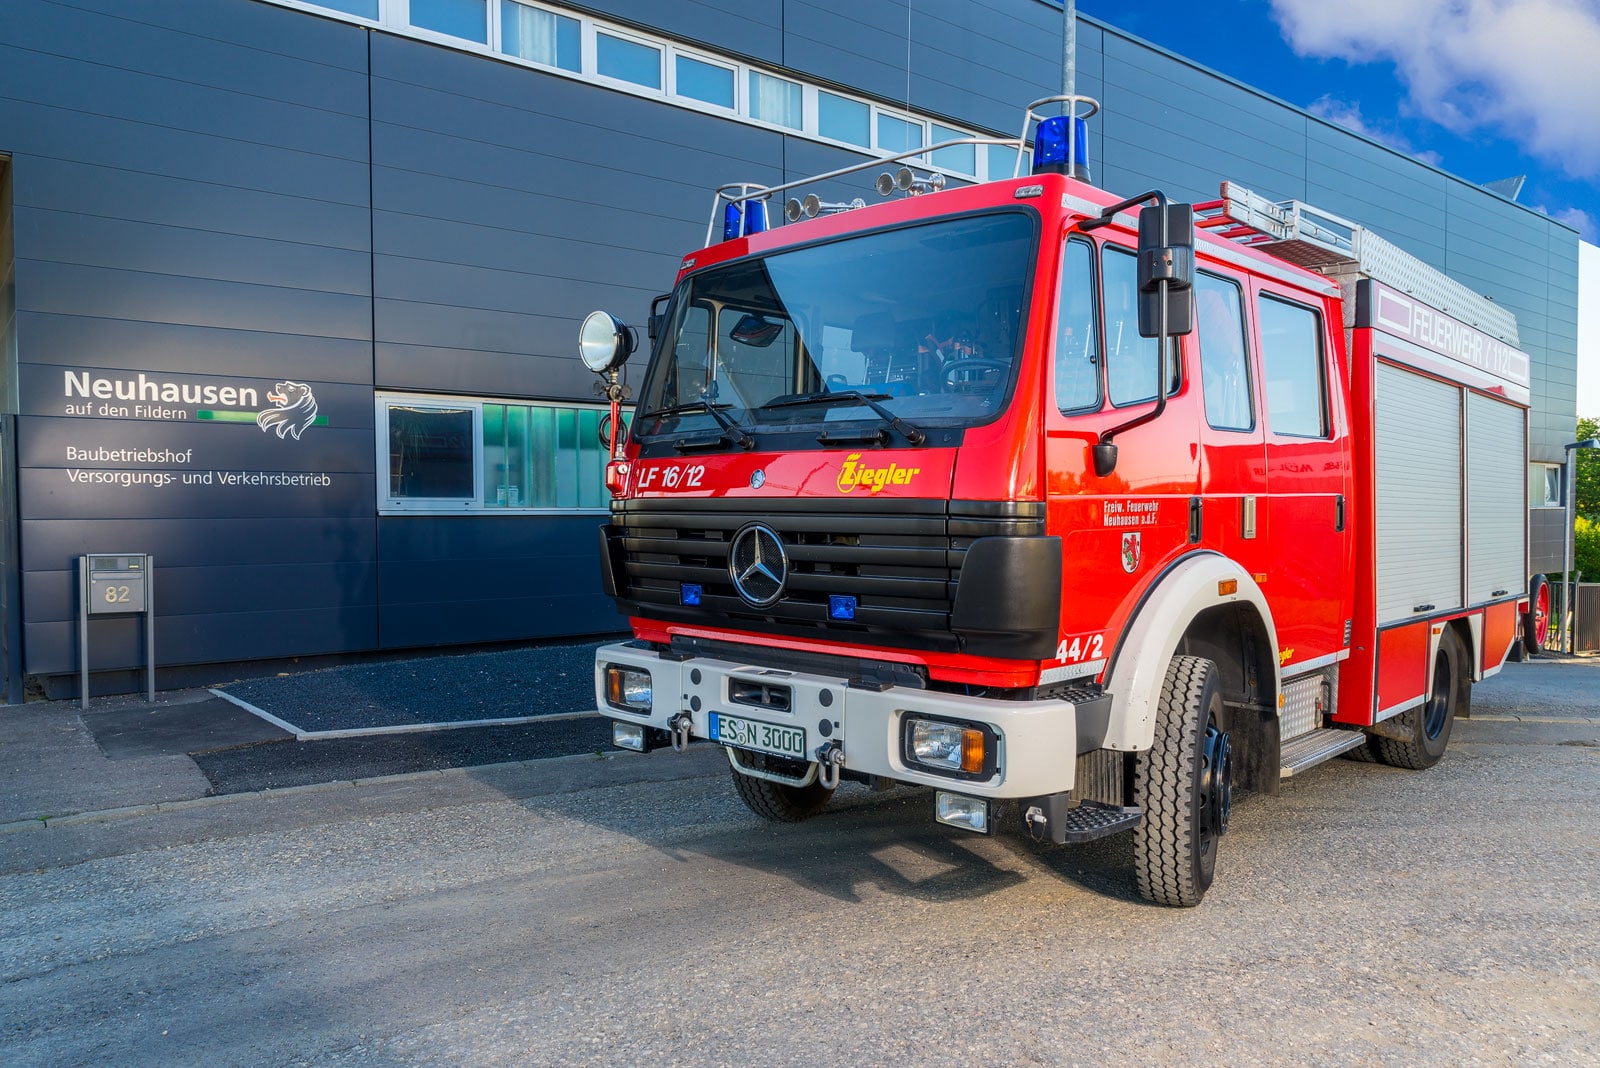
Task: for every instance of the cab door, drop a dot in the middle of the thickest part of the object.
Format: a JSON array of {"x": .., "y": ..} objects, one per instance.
[{"x": 1309, "y": 477}]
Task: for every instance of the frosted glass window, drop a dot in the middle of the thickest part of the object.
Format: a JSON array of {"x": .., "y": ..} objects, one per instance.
[
  {"x": 776, "y": 100},
  {"x": 540, "y": 36},
  {"x": 963, "y": 159},
  {"x": 898, "y": 135},
  {"x": 707, "y": 82},
  {"x": 843, "y": 119},
  {"x": 627, "y": 61},
  {"x": 466, "y": 19}
]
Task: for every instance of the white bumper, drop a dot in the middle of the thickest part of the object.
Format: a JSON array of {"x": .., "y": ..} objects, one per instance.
[{"x": 1038, "y": 740}]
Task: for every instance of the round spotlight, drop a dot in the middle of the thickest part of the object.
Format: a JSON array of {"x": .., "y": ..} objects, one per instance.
[{"x": 605, "y": 342}]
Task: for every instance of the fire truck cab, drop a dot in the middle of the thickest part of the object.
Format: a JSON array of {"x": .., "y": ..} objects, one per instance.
[{"x": 1080, "y": 508}]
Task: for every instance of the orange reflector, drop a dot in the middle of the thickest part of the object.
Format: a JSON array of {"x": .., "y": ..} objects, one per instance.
[
  {"x": 971, "y": 751},
  {"x": 1227, "y": 586},
  {"x": 1259, "y": 579},
  {"x": 613, "y": 686}
]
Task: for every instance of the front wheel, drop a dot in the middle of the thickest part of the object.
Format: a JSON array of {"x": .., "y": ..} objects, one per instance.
[
  {"x": 1184, "y": 784},
  {"x": 780, "y": 802},
  {"x": 1427, "y": 726}
]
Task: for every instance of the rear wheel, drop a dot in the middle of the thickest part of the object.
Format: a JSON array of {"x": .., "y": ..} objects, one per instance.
[
  {"x": 1184, "y": 784},
  {"x": 1536, "y": 620},
  {"x": 778, "y": 801},
  {"x": 1428, "y": 724}
]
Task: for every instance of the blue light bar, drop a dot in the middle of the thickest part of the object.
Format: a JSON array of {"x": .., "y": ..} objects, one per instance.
[
  {"x": 732, "y": 222},
  {"x": 743, "y": 217},
  {"x": 755, "y": 216},
  {"x": 688, "y": 593},
  {"x": 841, "y": 606},
  {"x": 1050, "y": 146}
]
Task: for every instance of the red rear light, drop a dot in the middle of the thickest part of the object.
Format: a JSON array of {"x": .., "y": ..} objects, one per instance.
[{"x": 617, "y": 472}]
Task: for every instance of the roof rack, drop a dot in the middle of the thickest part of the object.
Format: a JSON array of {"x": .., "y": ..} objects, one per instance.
[{"x": 1339, "y": 248}]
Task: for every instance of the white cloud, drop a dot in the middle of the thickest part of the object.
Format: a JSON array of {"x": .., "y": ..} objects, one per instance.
[
  {"x": 1576, "y": 218},
  {"x": 1527, "y": 68},
  {"x": 1349, "y": 116}
]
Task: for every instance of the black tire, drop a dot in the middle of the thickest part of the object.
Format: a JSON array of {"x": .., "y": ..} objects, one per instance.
[
  {"x": 1363, "y": 754},
  {"x": 1428, "y": 724},
  {"x": 780, "y": 802},
  {"x": 1184, "y": 785},
  {"x": 1537, "y": 617}
]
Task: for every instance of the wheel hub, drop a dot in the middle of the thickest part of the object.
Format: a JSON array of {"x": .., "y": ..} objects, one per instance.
[{"x": 1216, "y": 783}]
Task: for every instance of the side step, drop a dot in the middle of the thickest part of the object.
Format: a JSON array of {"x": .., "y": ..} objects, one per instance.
[
  {"x": 1049, "y": 817},
  {"x": 1313, "y": 747}
]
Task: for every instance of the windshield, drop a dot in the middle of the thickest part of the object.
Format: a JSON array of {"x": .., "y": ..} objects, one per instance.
[{"x": 923, "y": 321}]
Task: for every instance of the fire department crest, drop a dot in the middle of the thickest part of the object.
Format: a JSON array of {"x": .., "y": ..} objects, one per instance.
[{"x": 1130, "y": 551}]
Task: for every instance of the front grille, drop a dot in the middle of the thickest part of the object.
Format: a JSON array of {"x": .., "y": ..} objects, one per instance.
[{"x": 900, "y": 559}]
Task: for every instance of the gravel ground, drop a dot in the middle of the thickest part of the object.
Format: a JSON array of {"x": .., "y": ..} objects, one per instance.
[{"x": 542, "y": 680}]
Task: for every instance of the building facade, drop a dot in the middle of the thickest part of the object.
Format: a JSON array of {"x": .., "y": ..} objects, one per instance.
[{"x": 289, "y": 292}]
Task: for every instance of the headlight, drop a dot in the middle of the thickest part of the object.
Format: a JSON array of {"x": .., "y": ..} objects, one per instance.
[
  {"x": 965, "y": 750},
  {"x": 627, "y": 688}
]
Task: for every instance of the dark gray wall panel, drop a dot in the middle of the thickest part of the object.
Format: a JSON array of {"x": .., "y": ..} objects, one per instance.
[
  {"x": 425, "y": 369},
  {"x": 80, "y": 341},
  {"x": 200, "y": 541},
  {"x": 89, "y": 189},
  {"x": 750, "y": 28},
  {"x": 190, "y": 591},
  {"x": 1380, "y": 189},
  {"x": 235, "y": 636},
  {"x": 410, "y": 627},
  {"x": 271, "y": 30},
  {"x": 983, "y": 61},
  {"x": 49, "y": 493},
  {"x": 850, "y": 43},
  {"x": 69, "y": 289}
]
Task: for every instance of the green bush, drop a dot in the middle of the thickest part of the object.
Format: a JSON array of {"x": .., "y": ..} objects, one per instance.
[{"x": 1586, "y": 548}]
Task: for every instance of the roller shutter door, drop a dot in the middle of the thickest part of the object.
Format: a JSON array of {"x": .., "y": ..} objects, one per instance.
[
  {"x": 1418, "y": 473},
  {"x": 1496, "y": 508}
]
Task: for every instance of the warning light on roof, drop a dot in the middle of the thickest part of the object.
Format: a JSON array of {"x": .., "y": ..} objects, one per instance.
[
  {"x": 1050, "y": 146},
  {"x": 742, "y": 218}
]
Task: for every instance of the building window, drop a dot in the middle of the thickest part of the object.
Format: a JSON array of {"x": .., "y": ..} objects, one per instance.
[
  {"x": 1544, "y": 486},
  {"x": 709, "y": 83},
  {"x": 466, "y": 19},
  {"x": 1002, "y": 162},
  {"x": 452, "y": 455},
  {"x": 361, "y": 9},
  {"x": 540, "y": 36},
  {"x": 959, "y": 159},
  {"x": 776, "y": 100},
  {"x": 1292, "y": 364},
  {"x": 841, "y": 119},
  {"x": 627, "y": 61},
  {"x": 1224, "y": 367},
  {"x": 896, "y": 135}
]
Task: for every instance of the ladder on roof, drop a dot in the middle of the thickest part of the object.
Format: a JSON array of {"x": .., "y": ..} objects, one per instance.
[{"x": 1339, "y": 248}]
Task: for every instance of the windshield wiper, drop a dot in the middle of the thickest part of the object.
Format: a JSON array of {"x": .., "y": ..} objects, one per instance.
[
  {"x": 741, "y": 436},
  {"x": 915, "y": 435}
]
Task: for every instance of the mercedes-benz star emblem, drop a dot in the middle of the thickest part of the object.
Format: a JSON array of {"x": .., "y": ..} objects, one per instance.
[
  {"x": 758, "y": 479},
  {"x": 758, "y": 565}
]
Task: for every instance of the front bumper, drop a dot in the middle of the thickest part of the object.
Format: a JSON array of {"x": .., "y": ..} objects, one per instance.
[{"x": 1038, "y": 741}]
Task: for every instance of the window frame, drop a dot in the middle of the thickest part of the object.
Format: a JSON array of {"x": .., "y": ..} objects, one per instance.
[
  {"x": 1097, "y": 314},
  {"x": 388, "y": 504},
  {"x": 1324, "y": 377},
  {"x": 1244, "y": 340},
  {"x": 1546, "y": 470},
  {"x": 1174, "y": 342}
]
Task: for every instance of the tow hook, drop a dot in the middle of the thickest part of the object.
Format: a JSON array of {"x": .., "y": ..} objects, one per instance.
[
  {"x": 830, "y": 759},
  {"x": 678, "y": 726}
]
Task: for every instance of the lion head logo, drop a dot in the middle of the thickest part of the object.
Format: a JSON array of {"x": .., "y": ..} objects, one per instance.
[{"x": 296, "y": 409}]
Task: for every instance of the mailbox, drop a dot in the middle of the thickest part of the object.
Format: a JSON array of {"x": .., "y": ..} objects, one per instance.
[{"x": 117, "y": 584}]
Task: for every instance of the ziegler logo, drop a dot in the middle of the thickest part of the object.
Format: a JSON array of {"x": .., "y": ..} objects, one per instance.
[
  {"x": 296, "y": 409},
  {"x": 854, "y": 474}
]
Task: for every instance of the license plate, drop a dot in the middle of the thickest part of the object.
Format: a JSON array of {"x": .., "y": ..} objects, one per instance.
[{"x": 749, "y": 734}]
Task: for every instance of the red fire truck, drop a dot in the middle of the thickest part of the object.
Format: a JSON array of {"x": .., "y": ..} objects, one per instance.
[{"x": 1080, "y": 508}]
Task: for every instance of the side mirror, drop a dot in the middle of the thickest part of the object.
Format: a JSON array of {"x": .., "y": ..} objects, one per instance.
[
  {"x": 657, "y": 318},
  {"x": 605, "y": 342},
  {"x": 1166, "y": 255}
]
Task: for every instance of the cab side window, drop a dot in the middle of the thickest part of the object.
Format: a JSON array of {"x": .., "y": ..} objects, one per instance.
[
  {"x": 1077, "y": 340},
  {"x": 1224, "y": 367},
  {"x": 1130, "y": 359},
  {"x": 1295, "y": 369}
]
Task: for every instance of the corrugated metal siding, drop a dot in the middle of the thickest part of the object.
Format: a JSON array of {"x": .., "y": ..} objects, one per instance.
[
  {"x": 1419, "y": 494},
  {"x": 1496, "y": 499}
]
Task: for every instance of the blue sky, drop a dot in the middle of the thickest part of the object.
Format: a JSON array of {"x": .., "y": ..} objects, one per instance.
[{"x": 1483, "y": 89}]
